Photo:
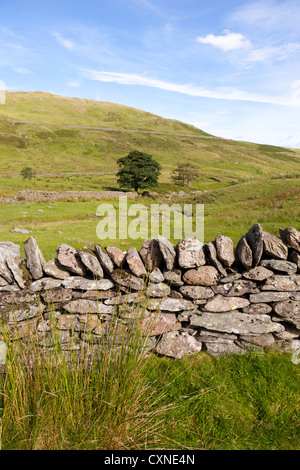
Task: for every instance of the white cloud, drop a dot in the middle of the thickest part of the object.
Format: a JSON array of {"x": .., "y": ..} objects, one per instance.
[
  {"x": 21, "y": 70},
  {"x": 66, "y": 43},
  {"x": 224, "y": 93},
  {"x": 227, "y": 42},
  {"x": 280, "y": 53},
  {"x": 268, "y": 15},
  {"x": 74, "y": 84}
]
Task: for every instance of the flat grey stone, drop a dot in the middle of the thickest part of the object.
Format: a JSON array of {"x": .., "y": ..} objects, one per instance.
[
  {"x": 290, "y": 311},
  {"x": 259, "y": 273},
  {"x": 45, "y": 283},
  {"x": 258, "y": 309},
  {"x": 127, "y": 280},
  {"x": 280, "y": 265},
  {"x": 54, "y": 269},
  {"x": 266, "y": 297},
  {"x": 173, "y": 277},
  {"x": 236, "y": 322},
  {"x": 282, "y": 284},
  {"x": 197, "y": 292},
  {"x": 83, "y": 306},
  {"x": 77, "y": 282},
  {"x": 225, "y": 304}
]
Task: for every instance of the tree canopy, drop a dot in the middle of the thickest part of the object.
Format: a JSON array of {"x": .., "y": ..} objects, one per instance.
[
  {"x": 184, "y": 174},
  {"x": 138, "y": 170}
]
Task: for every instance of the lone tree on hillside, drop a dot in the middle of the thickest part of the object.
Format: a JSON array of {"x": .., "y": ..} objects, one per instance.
[
  {"x": 28, "y": 173},
  {"x": 184, "y": 174},
  {"x": 138, "y": 170}
]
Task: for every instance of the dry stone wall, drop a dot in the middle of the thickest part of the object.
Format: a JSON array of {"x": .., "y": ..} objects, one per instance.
[{"x": 191, "y": 297}]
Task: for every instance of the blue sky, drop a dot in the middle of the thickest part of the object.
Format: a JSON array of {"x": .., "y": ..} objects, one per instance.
[{"x": 231, "y": 68}]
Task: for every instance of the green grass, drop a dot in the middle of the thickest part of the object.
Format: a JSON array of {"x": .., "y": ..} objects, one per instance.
[
  {"x": 129, "y": 401},
  {"x": 244, "y": 402},
  {"x": 228, "y": 211}
]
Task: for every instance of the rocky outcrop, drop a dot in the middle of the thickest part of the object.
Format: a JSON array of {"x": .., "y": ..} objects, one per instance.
[{"x": 187, "y": 298}]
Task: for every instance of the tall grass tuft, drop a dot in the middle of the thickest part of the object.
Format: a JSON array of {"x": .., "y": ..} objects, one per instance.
[{"x": 98, "y": 397}]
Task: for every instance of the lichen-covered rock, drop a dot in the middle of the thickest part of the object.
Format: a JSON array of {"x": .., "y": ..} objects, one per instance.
[
  {"x": 274, "y": 247},
  {"x": 158, "y": 290},
  {"x": 173, "y": 278},
  {"x": 83, "y": 306},
  {"x": 190, "y": 253},
  {"x": 268, "y": 297},
  {"x": 225, "y": 250},
  {"x": 282, "y": 284},
  {"x": 211, "y": 253},
  {"x": 197, "y": 292},
  {"x": 34, "y": 258},
  {"x": 81, "y": 283},
  {"x": 242, "y": 287},
  {"x": 135, "y": 262},
  {"x": 168, "y": 252},
  {"x": 244, "y": 253},
  {"x": 169, "y": 304},
  {"x": 54, "y": 269},
  {"x": 156, "y": 276},
  {"x": 105, "y": 260},
  {"x": 178, "y": 345},
  {"x": 258, "y": 309},
  {"x": 159, "y": 324},
  {"x": 291, "y": 237},
  {"x": 91, "y": 262},
  {"x": 69, "y": 259},
  {"x": 151, "y": 254},
  {"x": 45, "y": 283},
  {"x": 116, "y": 255},
  {"x": 280, "y": 266},
  {"x": 236, "y": 322},
  {"x": 203, "y": 276},
  {"x": 127, "y": 280},
  {"x": 225, "y": 304},
  {"x": 259, "y": 273},
  {"x": 12, "y": 266},
  {"x": 254, "y": 238},
  {"x": 290, "y": 311}
]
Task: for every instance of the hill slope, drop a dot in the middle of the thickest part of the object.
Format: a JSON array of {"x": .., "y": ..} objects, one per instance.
[{"x": 36, "y": 130}]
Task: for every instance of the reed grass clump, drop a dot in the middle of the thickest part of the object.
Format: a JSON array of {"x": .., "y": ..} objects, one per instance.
[{"x": 96, "y": 397}]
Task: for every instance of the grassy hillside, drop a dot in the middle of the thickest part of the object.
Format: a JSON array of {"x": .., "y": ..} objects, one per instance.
[{"x": 50, "y": 147}]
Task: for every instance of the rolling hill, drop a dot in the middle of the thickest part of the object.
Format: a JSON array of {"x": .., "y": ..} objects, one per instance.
[{"x": 54, "y": 134}]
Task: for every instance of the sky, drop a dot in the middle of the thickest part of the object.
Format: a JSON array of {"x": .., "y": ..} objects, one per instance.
[{"x": 228, "y": 67}]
